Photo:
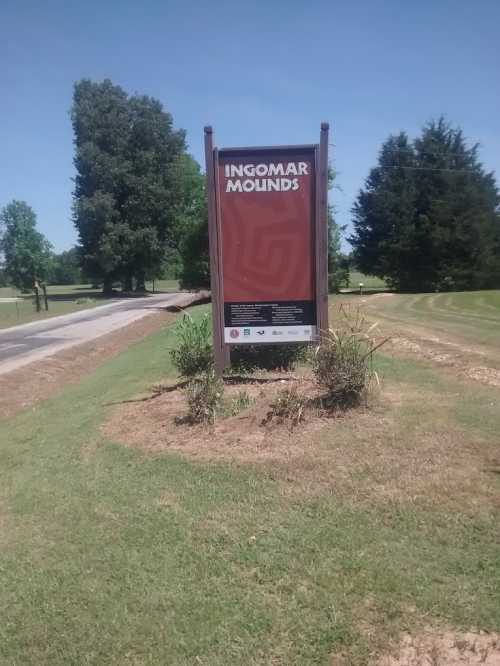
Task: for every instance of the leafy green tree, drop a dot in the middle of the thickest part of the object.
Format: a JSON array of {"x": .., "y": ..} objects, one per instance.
[
  {"x": 338, "y": 265},
  {"x": 427, "y": 218},
  {"x": 194, "y": 250},
  {"x": 126, "y": 153},
  {"x": 192, "y": 225},
  {"x": 65, "y": 268},
  {"x": 26, "y": 252}
]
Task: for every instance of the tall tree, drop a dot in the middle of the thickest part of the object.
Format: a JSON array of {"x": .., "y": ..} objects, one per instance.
[
  {"x": 338, "y": 265},
  {"x": 126, "y": 151},
  {"x": 427, "y": 217},
  {"x": 65, "y": 268},
  {"x": 26, "y": 252},
  {"x": 192, "y": 225}
]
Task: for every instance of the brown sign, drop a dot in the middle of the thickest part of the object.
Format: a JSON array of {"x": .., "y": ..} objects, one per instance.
[{"x": 268, "y": 243}]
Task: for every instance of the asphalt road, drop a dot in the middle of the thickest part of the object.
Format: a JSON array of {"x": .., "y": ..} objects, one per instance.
[{"x": 31, "y": 342}]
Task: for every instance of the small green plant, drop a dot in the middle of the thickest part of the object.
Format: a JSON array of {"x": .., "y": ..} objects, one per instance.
[
  {"x": 342, "y": 363},
  {"x": 289, "y": 406},
  {"x": 240, "y": 403},
  {"x": 205, "y": 398},
  {"x": 194, "y": 353}
]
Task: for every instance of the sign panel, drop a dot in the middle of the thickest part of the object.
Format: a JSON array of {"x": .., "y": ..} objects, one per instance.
[
  {"x": 266, "y": 205},
  {"x": 268, "y": 232}
]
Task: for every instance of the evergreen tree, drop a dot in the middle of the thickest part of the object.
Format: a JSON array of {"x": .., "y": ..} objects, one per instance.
[
  {"x": 427, "y": 218},
  {"x": 26, "y": 252}
]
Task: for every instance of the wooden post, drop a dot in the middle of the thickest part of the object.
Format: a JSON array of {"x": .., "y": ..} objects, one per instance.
[
  {"x": 45, "y": 299},
  {"x": 215, "y": 255},
  {"x": 37, "y": 296},
  {"x": 322, "y": 231}
]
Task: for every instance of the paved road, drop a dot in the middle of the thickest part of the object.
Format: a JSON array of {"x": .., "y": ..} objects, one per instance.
[{"x": 24, "y": 344}]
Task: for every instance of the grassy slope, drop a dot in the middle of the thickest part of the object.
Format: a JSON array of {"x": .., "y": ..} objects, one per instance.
[
  {"x": 370, "y": 282},
  {"x": 111, "y": 556},
  {"x": 473, "y": 315},
  {"x": 63, "y": 299}
]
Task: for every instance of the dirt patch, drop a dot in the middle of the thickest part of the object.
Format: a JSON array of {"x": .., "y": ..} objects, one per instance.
[
  {"x": 446, "y": 649},
  {"x": 484, "y": 375},
  {"x": 156, "y": 424},
  {"x": 372, "y": 453},
  {"x": 448, "y": 354},
  {"x": 23, "y": 388}
]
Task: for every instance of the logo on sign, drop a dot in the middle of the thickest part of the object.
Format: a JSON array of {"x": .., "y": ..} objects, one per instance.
[
  {"x": 246, "y": 331},
  {"x": 234, "y": 333},
  {"x": 277, "y": 332},
  {"x": 260, "y": 332}
]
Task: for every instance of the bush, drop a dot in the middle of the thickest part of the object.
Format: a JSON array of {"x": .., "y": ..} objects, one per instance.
[
  {"x": 342, "y": 363},
  {"x": 288, "y": 407},
  {"x": 194, "y": 354},
  {"x": 205, "y": 398},
  {"x": 267, "y": 357}
]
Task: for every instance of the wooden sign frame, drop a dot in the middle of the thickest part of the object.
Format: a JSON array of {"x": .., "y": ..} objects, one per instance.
[{"x": 320, "y": 247}]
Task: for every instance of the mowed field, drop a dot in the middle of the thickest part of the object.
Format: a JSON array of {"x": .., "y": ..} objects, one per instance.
[
  {"x": 324, "y": 545},
  {"x": 473, "y": 315},
  {"x": 63, "y": 299}
]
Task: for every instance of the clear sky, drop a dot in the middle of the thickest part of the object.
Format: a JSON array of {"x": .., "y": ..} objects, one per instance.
[{"x": 260, "y": 72}]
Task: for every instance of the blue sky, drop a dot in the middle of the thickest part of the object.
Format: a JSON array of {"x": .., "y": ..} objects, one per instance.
[{"x": 260, "y": 73}]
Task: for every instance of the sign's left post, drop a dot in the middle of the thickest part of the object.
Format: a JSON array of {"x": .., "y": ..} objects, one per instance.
[{"x": 221, "y": 350}]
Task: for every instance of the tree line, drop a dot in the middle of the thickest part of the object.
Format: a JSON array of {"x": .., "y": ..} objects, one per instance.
[{"x": 426, "y": 219}]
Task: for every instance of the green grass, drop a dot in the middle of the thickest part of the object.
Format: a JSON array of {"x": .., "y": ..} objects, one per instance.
[
  {"x": 163, "y": 285},
  {"x": 370, "y": 282},
  {"x": 112, "y": 556},
  {"x": 63, "y": 299},
  {"x": 472, "y": 315}
]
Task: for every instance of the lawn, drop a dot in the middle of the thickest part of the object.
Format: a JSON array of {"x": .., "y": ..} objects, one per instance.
[
  {"x": 63, "y": 299},
  {"x": 471, "y": 315},
  {"x": 370, "y": 282},
  {"x": 114, "y": 556}
]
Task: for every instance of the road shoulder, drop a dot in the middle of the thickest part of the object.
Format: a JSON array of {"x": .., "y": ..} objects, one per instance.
[{"x": 24, "y": 387}]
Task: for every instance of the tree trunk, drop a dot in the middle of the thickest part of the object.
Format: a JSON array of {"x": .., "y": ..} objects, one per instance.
[
  {"x": 127, "y": 283},
  {"x": 140, "y": 281},
  {"x": 107, "y": 286},
  {"x": 45, "y": 299},
  {"x": 37, "y": 299}
]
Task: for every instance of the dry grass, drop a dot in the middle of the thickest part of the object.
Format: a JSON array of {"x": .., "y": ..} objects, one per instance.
[{"x": 383, "y": 452}]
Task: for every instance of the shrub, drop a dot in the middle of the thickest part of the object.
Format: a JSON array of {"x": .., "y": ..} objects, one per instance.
[
  {"x": 267, "y": 357},
  {"x": 289, "y": 406},
  {"x": 342, "y": 363},
  {"x": 204, "y": 398},
  {"x": 194, "y": 353}
]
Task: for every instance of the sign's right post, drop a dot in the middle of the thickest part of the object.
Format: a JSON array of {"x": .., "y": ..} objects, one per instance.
[{"x": 322, "y": 231}]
